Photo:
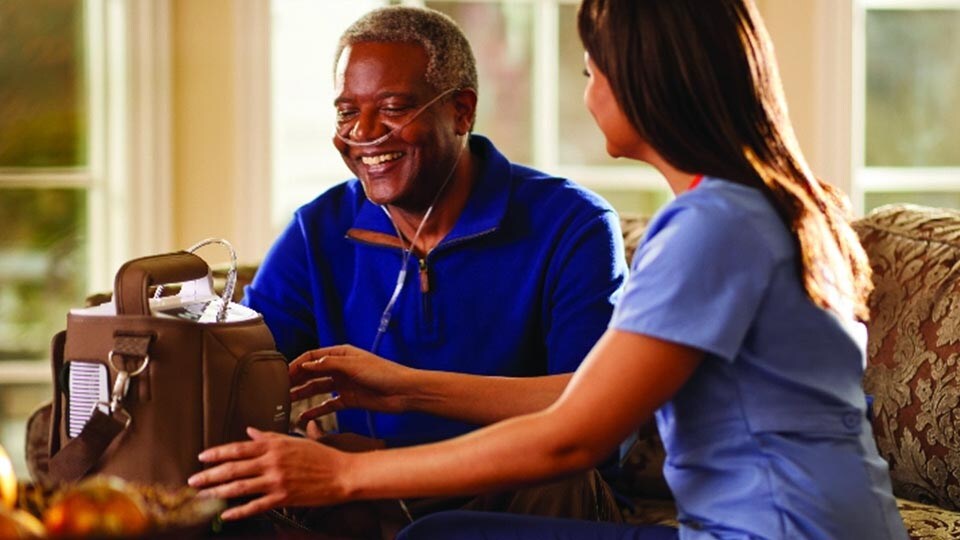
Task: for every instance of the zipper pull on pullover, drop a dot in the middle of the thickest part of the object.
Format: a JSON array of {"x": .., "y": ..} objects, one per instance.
[{"x": 424, "y": 277}]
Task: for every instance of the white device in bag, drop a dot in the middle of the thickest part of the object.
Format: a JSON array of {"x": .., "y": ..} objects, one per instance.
[{"x": 87, "y": 386}]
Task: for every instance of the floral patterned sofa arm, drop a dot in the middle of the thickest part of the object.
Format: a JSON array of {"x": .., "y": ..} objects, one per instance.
[{"x": 912, "y": 354}]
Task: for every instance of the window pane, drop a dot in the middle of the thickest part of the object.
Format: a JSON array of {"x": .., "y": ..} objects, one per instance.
[
  {"x": 913, "y": 72},
  {"x": 42, "y": 266},
  {"x": 581, "y": 141},
  {"x": 502, "y": 38},
  {"x": 42, "y": 110}
]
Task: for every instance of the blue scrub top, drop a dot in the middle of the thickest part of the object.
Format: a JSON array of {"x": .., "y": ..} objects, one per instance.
[{"x": 769, "y": 437}]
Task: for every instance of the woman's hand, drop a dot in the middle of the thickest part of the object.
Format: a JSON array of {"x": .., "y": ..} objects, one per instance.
[
  {"x": 346, "y": 442},
  {"x": 275, "y": 470},
  {"x": 359, "y": 378}
]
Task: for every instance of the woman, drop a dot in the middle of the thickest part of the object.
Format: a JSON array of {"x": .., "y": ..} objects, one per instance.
[{"x": 740, "y": 325}]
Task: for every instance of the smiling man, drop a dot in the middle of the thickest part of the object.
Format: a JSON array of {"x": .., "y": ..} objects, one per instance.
[{"x": 444, "y": 287}]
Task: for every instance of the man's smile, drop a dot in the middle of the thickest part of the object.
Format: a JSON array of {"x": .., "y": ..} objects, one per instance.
[{"x": 380, "y": 158}]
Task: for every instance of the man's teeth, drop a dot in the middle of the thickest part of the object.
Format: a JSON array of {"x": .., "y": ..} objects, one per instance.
[{"x": 376, "y": 160}]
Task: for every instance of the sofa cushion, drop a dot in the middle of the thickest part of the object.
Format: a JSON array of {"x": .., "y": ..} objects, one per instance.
[
  {"x": 914, "y": 346},
  {"x": 923, "y": 521},
  {"x": 928, "y": 522}
]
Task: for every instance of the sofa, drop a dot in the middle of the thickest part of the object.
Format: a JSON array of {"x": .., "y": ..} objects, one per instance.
[{"x": 913, "y": 349}]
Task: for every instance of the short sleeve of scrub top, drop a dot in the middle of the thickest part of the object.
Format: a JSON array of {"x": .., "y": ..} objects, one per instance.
[{"x": 698, "y": 277}]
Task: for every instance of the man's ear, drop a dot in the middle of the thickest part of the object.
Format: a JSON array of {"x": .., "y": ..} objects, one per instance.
[{"x": 465, "y": 101}]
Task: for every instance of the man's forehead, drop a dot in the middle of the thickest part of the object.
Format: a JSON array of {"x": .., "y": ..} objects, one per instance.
[
  {"x": 411, "y": 53},
  {"x": 393, "y": 66}
]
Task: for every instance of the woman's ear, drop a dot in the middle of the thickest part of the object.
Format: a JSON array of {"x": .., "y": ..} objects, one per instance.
[{"x": 465, "y": 101}]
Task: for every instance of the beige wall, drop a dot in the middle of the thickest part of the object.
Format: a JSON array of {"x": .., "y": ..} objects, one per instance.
[
  {"x": 204, "y": 140},
  {"x": 791, "y": 26}
]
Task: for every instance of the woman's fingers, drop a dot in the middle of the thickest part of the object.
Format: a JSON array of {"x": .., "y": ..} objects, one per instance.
[
  {"x": 231, "y": 451},
  {"x": 225, "y": 472},
  {"x": 254, "y": 507}
]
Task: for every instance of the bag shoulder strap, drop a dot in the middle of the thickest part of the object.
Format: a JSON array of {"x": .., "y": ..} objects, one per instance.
[
  {"x": 79, "y": 456},
  {"x": 108, "y": 420}
]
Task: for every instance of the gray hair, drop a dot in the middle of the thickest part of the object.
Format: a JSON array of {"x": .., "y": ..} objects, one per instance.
[{"x": 450, "y": 61}]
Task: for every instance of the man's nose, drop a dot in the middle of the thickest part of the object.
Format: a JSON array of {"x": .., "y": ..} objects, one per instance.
[{"x": 368, "y": 127}]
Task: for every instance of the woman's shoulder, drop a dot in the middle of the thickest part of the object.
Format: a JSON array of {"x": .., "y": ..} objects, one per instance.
[{"x": 721, "y": 212}]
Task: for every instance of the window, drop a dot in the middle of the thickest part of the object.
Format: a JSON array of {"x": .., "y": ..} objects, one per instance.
[
  {"x": 44, "y": 158},
  {"x": 911, "y": 147},
  {"x": 82, "y": 177},
  {"x": 303, "y": 39},
  {"x": 529, "y": 60},
  {"x": 44, "y": 184}
]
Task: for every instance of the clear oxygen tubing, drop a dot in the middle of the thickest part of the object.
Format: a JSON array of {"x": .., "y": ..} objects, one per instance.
[
  {"x": 407, "y": 251},
  {"x": 402, "y": 276},
  {"x": 393, "y": 131}
]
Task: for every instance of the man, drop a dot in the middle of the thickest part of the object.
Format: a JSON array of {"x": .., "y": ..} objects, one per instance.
[{"x": 510, "y": 279}]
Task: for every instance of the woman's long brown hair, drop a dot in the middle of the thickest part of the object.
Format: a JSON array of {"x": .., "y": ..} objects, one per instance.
[{"x": 699, "y": 82}]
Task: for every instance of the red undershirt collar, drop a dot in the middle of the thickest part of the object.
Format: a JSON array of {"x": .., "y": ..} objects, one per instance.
[{"x": 695, "y": 182}]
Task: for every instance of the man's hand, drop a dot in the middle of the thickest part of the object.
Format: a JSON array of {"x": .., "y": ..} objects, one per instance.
[
  {"x": 275, "y": 470},
  {"x": 359, "y": 378}
]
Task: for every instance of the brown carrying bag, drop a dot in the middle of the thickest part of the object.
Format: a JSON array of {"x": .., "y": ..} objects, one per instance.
[{"x": 173, "y": 385}]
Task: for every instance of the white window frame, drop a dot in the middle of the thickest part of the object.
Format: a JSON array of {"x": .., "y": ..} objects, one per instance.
[
  {"x": 892, "y": 179},
  {"x": 128, "y": 172}
]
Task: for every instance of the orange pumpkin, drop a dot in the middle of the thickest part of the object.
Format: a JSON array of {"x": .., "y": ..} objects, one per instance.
[
  {"x": 19, "y": 524},
  {"x": 99, "y": 506}
]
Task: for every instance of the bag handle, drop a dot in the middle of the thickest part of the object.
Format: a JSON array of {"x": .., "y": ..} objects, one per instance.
[
  {"x": 231, "y": 275},
  {"x": 135, "y": 277}
]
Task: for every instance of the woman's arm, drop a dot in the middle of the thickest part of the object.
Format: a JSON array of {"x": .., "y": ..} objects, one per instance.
[
  {"x": 366, "y": 381},
  {"x": 623, "y": 380}
]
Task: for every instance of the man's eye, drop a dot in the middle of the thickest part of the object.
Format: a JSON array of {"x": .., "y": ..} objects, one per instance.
[
  {"x": 345, "y": 114},
  {"x": 395, "y": 110}
]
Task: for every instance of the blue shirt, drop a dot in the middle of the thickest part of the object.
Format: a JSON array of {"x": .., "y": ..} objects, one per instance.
[
  {"x": 523, "y": 285},
  {"x": 769, "y": 437}
]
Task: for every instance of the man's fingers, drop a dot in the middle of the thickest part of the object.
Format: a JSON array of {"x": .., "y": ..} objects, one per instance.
[
  {"x": 314, "y": 431},
  {"x": 311, "y": 388},
  {"x": 328, "y": 406},
  {"x": 296, "y": 368}
]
